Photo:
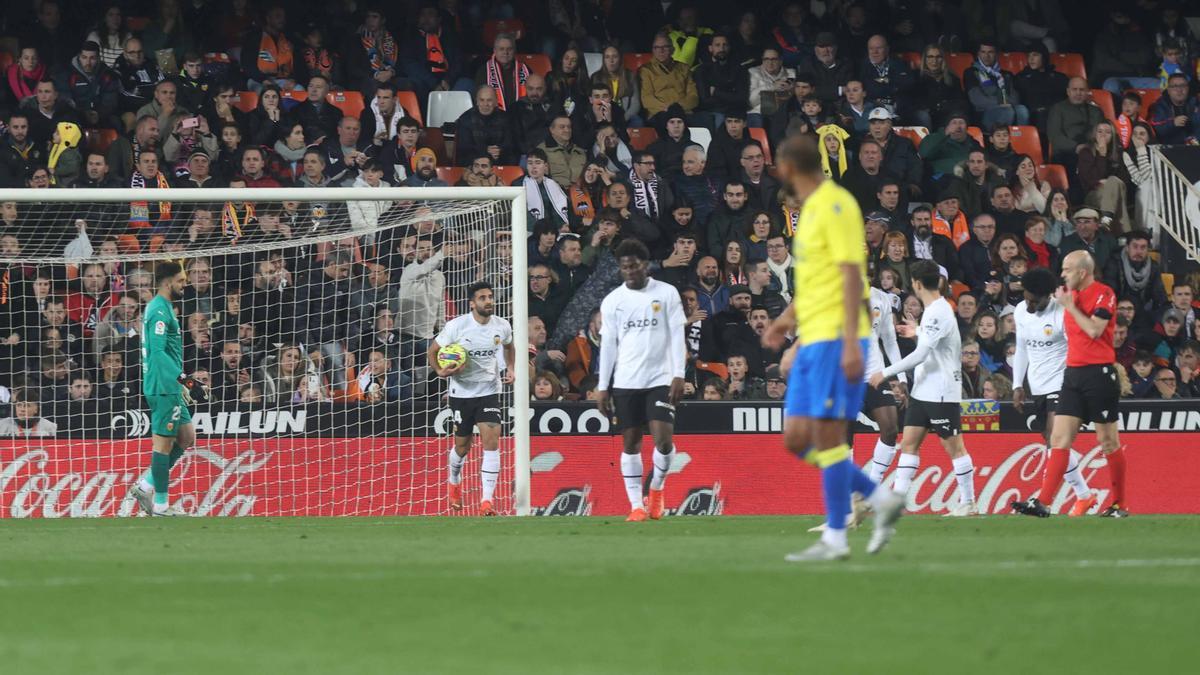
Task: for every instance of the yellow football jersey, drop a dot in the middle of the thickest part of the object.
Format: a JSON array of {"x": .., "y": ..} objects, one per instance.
[{"x": 830, "y": 232}]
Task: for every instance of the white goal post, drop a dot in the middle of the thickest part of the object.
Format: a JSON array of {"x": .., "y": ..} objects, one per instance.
[{"x": 48, "y": 218}]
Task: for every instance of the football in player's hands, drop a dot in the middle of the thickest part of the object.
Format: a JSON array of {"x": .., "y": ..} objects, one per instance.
[{"x": 195, "y": 388}]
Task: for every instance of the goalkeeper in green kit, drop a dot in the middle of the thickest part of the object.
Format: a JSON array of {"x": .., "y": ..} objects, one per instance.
[{"x": 167, "y": 390}]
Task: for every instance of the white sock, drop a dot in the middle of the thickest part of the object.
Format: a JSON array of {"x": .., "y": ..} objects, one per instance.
[
  {"x": 662, "y": 464},
  {"x": 456, "y": 464},
  {"x": 834, "y": 537},
  {"x": 489, "y": 472},
  {"x": 906, "y": 470},
  {"x": 964, "y": 471},
  {"x": 881, "y": 460},
  {"x": 1074, "y": 476},
  {"x": 631, "y": 471}
]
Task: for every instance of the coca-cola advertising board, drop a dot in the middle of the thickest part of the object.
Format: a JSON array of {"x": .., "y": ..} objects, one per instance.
[{"x": 737, "y": 474}]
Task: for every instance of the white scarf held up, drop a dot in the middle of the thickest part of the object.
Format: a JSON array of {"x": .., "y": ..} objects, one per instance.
[{"x": 533, "y": 199}]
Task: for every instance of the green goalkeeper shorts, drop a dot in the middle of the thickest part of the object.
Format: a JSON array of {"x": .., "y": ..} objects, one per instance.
[{"x": 168, "y": 412}]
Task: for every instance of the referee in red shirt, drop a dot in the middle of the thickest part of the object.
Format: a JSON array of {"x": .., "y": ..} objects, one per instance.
[{"x": 1091, "y": 391}]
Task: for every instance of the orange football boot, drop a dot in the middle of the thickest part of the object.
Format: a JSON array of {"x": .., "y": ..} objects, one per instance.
[
  {"x": 1082, "y": 506},
  {"x": 656, "y": 506},
  {"x": 455, "y": 496},
  {"x": 485, "y": 508},
  {"x": 637, "y": 516}
]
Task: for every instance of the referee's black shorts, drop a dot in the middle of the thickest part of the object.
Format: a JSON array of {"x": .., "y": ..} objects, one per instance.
[{"x": 1091, "y": 393}]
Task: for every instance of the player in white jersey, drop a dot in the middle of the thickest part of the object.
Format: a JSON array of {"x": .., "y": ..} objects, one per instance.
[
  {"x": 880, "y": 403},
  {"x": 937, "y": 388},
  {"x": 475, "y": 388},
  {"x": 642, "y": 360},
  {"x": 1042, "y": 354}
]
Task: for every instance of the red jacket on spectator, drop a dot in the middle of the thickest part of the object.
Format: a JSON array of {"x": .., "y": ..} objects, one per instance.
[{"x": 88, "y": 310}]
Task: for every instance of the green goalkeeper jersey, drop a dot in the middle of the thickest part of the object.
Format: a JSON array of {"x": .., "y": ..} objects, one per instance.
[{"x": 162, "y": 349}]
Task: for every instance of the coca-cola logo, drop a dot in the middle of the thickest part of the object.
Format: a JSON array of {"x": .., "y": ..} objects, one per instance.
[
  {"x": 701, "y": 501},
  {"x": 30, "y": 488},
  {"x": 568, "y": 502},
  {"x": 936, "y": 489}
]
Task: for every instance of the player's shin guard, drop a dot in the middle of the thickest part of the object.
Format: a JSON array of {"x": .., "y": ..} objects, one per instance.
[
  {"x": 455, "y": 462},
  {"x": 631, "y": 471},
  {"x": 906, "y": 470},
  {"x": 1116, "y": 471},
  {"x": 662, "y": 465},
  {"x": 160, "y": 469},
  {"x": 964, "y": 473},
  {"x": 1056, "y": 466},
  {"x": 881, "y": 460},
  {"x": 836, "y": 477},
  {"x": 489, "y": 473},
  {"x": 1074, "y": 476}
]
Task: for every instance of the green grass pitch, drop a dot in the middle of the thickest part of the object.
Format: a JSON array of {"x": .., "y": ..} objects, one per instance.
[{"x": 593, "y": 595}]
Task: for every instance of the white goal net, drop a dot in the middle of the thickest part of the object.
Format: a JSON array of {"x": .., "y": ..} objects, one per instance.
[{"x": 308, "y": 312}]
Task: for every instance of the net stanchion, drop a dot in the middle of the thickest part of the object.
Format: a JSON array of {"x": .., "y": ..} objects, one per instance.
[{"x": 308, "y": 313}]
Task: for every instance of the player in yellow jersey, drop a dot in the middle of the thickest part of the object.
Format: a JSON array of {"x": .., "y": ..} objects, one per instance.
[{"x": 825, "y": 382}]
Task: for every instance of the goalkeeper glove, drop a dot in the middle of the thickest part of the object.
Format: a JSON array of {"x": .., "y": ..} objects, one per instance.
[{"x": 193, "y": 389}]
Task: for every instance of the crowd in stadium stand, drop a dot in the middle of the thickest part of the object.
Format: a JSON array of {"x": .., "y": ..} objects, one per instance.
[{"x": 991, "y": 137}]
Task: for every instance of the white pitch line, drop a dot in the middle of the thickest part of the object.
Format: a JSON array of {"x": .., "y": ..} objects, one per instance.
[{"x": 942, "y": 567}]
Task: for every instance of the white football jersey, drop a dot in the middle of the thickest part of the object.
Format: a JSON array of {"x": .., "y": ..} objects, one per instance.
[
  {"x": 642, "y": 342},
  {"x": 937, "y": 358},
  {"x": 1041, "y": 348},
  {"x": 484, "y": 343},
  {"x": 883, "y": 332}
]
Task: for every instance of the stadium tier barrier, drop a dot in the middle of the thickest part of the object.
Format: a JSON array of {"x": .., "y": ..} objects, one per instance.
[{"x": 319, "y": 460}]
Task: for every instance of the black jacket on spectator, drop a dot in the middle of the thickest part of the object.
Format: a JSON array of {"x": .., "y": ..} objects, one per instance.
[
  {"x": 976, "y": 263},
  {"x": 96, "y": 92},
  {"x": 475, "y": 132},
  {"x": 704, "y": 193},
  {"x": 939, "y": 97},
  {"x": 668, "y": 152},
  {"x": 863, "y": 186},
  {"x": 15, "y": 164},
  {"x": 726, "y": 224},
  {"x": 318, "y": 119},
  {"x": 1012, "y": 222},
  {"x": 574, "y": 318},
  {"x": 725, "y": 153},
  {"x": 570, "y": 278},
  {"x": 41, "y": 128},
  {"x": 323, "y": 308},
  {"x": 828, "y": 81},
  {"x": 763, "y": 195},
  {"x": 532, "y": 123},
  {"x": 264, "y": 131},
  {"x": 1150, "y": 301},
  {"x": 900, "y": 160},
  {"x": 895, "y": 88},
  {"x": 584, "y": 124},
  {"x": 944, "y": 253},
  {"x": 137, "y": 83},
  {"x": 730, "y": 84},
  {"x": 1040, "y": 89}
]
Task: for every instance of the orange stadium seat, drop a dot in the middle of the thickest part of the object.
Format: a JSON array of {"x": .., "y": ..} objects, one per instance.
[
  {"x": 760, "y": 135},
  {"x": 137, "y": 24},
  {"x": 913, "y": 59},
  {"x": 976, "y": 133},
  {"x": 450, "y": 174},
  {"x": 959, "y": 63},
  {"x": 6, "y": 60},
  {"x": 1149, "y": 98},
  {"x": 245, "y": 101},
  {"x": 508, "y": 174},
  {"x": 633, "y": 61},
  {"x": 494, "y": 27},
  {"x": 433, "y": 139},
  {"x": 1055, "y": 175},
  {"x": 914, "y": 134},
  {"x": 1104, "y": 101},
  {"x": 1070, "y": 65},
  {"x": 537, "y": 63},
  {"x": 408, "y": 101},
  {"x": 1013, "y": 62},
  {"x": 349, "y": 102},
  {"x": 641, "y": 137},
  {"x": 1027, "y": 141}
]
